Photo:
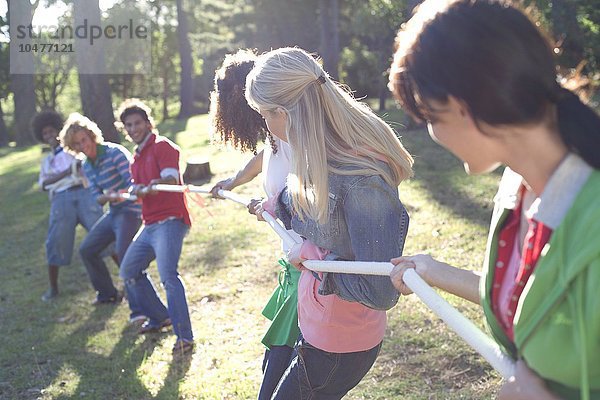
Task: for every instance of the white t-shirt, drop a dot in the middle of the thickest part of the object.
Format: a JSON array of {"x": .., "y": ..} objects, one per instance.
[
  {"x": 275, "y": 168},
  {"x": 54, "y": 163}
]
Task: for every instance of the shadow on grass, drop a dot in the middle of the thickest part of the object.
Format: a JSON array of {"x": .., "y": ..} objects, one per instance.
[
  {"x": 214, "y": 249},
  {"x": 114, "y": 375}
]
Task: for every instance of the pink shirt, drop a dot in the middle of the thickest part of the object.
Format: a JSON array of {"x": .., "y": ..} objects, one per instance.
[{"x": 330, "y": 323}]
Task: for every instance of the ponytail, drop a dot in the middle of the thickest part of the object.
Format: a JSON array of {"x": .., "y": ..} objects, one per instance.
[{"x": 579, "y": 127}]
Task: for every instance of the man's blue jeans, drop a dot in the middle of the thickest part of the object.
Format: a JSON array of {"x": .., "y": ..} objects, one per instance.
[
  {"x": 161, "y": 241},
  {"x": 314, "y": 374},
  {"x": 69, "y": 208},
  {"x": 118, "y": 226}
]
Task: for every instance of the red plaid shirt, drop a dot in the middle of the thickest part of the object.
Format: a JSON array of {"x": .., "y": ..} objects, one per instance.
[{"x": 536, "y": 238}]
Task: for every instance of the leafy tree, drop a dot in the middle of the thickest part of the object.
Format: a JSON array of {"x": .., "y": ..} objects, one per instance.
[
  {"x": 214, "y": 36},
  {"x": 165, "y": 57},
  {"x": 48, "y": 86},
  {"x": 370, "y": 27},
  {"x": 285, "y": 23},
  {"x": 575, "y": 27},
  {"x": 131, "y": 60}
]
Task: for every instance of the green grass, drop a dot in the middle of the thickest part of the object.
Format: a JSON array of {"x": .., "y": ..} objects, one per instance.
[{"x": 70, "y": 349}]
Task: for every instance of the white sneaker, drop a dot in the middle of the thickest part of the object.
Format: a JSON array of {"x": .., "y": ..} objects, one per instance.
[{"x": 137, "y": 321}]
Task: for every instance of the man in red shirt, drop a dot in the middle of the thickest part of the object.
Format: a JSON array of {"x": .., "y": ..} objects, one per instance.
[{"x": 165, "y": 223}]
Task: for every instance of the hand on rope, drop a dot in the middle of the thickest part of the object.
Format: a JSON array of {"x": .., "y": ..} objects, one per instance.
[
  {"x": 294, "y": 257},
  {"x": 299, "y": 253},
  {"x": 464, "y": 327},
  {"x": 141, "y": 191},
  {"x": 225, "y": 184},
  {"x": 419, "y": 263},
  {"x": 117, "y": 197},
  {"x": 525, "y": 385},
  {"x": 255, "y": 207}
]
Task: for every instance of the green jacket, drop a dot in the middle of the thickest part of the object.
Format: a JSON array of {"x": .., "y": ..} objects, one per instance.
[{"x": 557, "y": 322}]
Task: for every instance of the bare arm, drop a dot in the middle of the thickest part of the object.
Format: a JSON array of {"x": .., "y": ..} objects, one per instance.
[
  {"x": 459, "y": 282},
  {"x": 244, "y": 175}
]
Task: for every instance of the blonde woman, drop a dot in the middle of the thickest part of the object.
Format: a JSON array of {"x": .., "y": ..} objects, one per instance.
[{"x": 342, "y": 196}]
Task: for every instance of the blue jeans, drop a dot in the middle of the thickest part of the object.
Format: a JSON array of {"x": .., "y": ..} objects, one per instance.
[
  {"x": 314, "y": 374},
  {"x": 119, "y": 226},
  {"x": 69, "y": 208},
  {"x": 276, "y": 361},
  {"x": 161, "y": 241}
]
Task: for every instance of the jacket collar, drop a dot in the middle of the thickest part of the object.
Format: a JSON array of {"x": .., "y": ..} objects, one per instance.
[{"x": 558, "y": 195}]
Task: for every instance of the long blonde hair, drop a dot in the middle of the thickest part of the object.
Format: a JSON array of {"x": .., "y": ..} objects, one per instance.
[{"x": 326, "y": 128}]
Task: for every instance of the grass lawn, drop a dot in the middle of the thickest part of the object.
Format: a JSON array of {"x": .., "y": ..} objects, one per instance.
[{"x": 71, "y": 349}]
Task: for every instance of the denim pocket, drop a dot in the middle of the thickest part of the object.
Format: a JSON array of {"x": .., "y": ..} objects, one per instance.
[{"x": 318, "y": 368}]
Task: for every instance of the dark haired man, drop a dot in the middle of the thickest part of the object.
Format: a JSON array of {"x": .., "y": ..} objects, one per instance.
[{"x": 165, "y": 223}]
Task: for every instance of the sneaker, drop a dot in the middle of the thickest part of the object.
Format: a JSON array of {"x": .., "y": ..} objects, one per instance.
[
  {"x": 148, "y": 327},
  {"x": 49, "y": 295},
  {"x": 137, "y": 321},
  {"x": 183, "y": 347},
  {"x": 116, "y": 299}
]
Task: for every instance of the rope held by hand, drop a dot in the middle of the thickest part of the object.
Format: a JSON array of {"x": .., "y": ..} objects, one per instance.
[{"x": 460, "y": 324}]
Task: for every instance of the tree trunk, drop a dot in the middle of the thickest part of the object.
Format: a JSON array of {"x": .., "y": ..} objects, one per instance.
[
  {"x": 384, "y": 62},
  {"x": 196, "y": 171},
  {"x": 94, "y": 88},
  {"x": 165, "y": 94},
  {"x": 3, "y": 128},
  {"x": 22, "y": 85},
  {"x": 330, "y": 40},
  {"x": 186, "y": 88},
  {"x": 383, "y": 94}
]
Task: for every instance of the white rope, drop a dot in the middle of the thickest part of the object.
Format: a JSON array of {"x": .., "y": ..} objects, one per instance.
[
  {"x": 460, "y": 324},
  {"x": 178, "y": 188},
  {"x": 464, "y": 327},
  {"x": 288, "y": 240},
  {"x": 271, "y": 221}
]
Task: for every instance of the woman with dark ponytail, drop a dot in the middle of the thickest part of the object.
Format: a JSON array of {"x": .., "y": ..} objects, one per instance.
[{"x": 483, "y": 77}]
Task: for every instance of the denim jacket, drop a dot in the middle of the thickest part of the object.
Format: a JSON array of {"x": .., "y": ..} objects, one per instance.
[{"x": 367, "y": 222}]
